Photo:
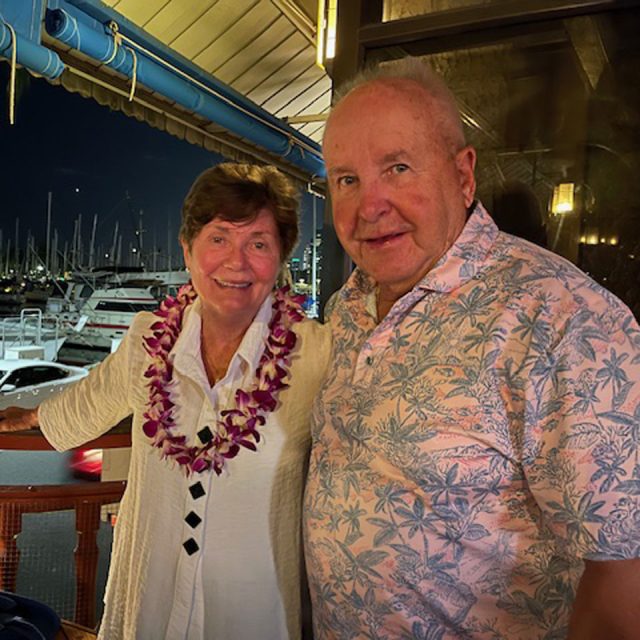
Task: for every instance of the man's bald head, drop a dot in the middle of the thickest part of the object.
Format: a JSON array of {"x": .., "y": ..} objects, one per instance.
[{"x": 409, "y": 74}]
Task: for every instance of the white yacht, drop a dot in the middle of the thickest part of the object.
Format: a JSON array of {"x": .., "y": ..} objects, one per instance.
[
  {"x": 96, "y": 309},
  {"x": 102, "y": 319},
  {"x": 26, "y": 382}
]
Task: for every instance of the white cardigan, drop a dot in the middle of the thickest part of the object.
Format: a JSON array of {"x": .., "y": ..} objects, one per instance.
[{"x": 244, "y": 580}]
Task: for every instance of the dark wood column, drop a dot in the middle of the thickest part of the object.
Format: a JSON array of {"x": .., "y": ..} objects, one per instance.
[{"x": 352, "y": 15}]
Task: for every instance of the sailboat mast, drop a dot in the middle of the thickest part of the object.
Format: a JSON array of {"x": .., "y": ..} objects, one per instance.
[
  {"x": 47, "y": 263},
  {"x": 114, "y": 246},
  {"x": 93, "y": 241},
  {"x": 79, "y": 254},
  {"x": 169, "y": 247},
  {"x": 16, "y": 259}
]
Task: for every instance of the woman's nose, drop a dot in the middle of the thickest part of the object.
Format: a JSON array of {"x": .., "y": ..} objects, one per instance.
[{"x": 236, "y": 258}]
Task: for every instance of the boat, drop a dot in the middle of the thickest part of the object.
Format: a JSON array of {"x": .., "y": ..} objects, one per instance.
[
  {"x": 26, "y": 382},
  {"x": 30, "y": 334},
  {"x": 11, "y": 295},
  {"x": 102, "y": 319},
  {"x": 96, "y": 308},
  {"x": 159, "y": 283}
]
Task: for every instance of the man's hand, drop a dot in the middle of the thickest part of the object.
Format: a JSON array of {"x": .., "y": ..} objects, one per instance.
[
  {"x": 16, "y": 419},
  {"x": 608, "y": 601}
]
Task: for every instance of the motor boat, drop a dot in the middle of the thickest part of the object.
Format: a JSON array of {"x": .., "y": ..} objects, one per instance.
[
  {"x": 30, "y": 334},
  {"x": 26, "y": 382},
  {"x": 102, "y": 319}
]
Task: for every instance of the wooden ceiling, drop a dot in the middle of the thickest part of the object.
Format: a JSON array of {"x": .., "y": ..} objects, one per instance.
[{"x": 264, "y": 49}]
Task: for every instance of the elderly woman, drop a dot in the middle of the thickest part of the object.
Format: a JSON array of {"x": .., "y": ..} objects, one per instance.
[{"x": 220, "y": 383}]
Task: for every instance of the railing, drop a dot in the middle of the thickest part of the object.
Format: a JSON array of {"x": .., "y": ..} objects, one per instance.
[
  {"x": 86, "y": 500},
  {"x": 30, "y": 329}
]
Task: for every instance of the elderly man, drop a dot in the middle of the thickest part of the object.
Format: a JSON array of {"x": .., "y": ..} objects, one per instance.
[{"x": 475, "y": 466}]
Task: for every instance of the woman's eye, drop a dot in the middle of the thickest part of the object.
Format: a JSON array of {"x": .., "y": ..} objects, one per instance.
[{"x": 346, "y": 181}]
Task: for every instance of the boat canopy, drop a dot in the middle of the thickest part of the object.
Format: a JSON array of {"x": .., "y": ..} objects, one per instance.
[{"x": 235, "y": 77}]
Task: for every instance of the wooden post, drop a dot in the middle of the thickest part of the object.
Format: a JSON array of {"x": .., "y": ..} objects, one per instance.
[
  {"x": 86, "y": 553},
  {"x": 10, "y": 527}
]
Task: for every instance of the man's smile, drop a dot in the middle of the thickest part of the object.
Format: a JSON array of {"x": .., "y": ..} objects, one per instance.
[{"x": 383, "y": 239}]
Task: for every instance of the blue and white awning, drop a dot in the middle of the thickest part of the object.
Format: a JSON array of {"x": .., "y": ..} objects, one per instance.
[{"x": 90, "y": 40}]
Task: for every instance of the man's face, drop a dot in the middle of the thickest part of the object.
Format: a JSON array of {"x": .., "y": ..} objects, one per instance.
[{"x": 399, "y": 196}]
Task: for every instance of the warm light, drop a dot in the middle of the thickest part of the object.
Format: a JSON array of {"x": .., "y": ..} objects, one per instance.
[
  {"x": 592, "y": 238},
  {"x": 603, "y": 240},
  {"x": 326, "y": 31},
  {"x": 613, "y": 240},
  {"x": 332, "y": 20},
  {"x": 562, "y": 201},
  {"x": 320, "y": 35}
]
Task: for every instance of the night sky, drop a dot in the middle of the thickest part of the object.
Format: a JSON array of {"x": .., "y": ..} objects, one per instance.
[{"x": 90, "y": 158}]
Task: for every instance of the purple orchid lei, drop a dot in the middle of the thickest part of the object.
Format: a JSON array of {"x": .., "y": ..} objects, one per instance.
[{"x": 237, "y": 427}]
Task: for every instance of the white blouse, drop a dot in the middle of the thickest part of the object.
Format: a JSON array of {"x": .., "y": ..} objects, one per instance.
[{"x": 207, "y": 557}]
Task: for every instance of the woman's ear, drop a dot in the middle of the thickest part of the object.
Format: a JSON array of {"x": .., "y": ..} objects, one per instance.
[{"x": 186, "y": 252}]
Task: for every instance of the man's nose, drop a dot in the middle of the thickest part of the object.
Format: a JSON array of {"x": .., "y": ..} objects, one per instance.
[{"x": 373, "y": 202}]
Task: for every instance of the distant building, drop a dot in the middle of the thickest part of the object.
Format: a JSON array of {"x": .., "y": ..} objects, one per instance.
[{"x": 303, "y": 273}]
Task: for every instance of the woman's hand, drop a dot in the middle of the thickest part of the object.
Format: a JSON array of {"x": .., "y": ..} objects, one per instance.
[{"x": 17, "y": 419}]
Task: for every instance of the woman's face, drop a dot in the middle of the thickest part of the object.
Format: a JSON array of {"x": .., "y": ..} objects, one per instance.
[{"x": 234, "y": 266}]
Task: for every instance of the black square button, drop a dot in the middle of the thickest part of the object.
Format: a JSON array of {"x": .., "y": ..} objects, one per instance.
[
  {"x": 196, "y": 490},
  {"x": 205, "y": 435},
  {"x": 190, "y": 546},
  {"x": 193, "y": 519}
]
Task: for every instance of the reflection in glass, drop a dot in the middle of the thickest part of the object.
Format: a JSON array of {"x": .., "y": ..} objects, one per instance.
[{"x": 560, "y": 104}]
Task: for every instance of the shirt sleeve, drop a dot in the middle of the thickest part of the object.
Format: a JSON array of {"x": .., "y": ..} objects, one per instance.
[
  {"x": 582, "y": 433},
  {"x": 95, "y": 404}
]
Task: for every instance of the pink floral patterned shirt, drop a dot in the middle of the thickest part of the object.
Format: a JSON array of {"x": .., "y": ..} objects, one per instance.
[{"x": 470, "y": 450}]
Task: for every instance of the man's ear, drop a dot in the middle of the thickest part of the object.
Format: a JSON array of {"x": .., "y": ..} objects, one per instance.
[{"x": 466, "y": 164}]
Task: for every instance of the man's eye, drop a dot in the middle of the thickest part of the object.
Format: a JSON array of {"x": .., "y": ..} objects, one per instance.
[
  {"x": 399, "y": 168},
  {"x": 217, "y": 239},
  {"x": 260, "y": 245}
]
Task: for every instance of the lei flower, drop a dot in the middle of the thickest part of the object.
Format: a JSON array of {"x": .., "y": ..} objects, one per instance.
[{"x": 237, "y": 427}]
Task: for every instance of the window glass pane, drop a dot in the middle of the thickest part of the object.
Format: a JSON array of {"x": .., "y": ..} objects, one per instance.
[
  {"x": 15, "y": 379},
  {"x": 125, "y": 307},
  {"x": 38, "y": 375},
  {"x": 558, "y": 110}
]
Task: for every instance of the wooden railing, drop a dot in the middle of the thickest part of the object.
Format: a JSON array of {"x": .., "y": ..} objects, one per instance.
[{"x": 85, "y": 499}]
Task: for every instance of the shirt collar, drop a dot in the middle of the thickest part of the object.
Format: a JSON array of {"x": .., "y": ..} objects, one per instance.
[
  {"x": 466, "y": 256},
  {"x": 458, "y": 265},
  {"x": 186, "y": 355}
]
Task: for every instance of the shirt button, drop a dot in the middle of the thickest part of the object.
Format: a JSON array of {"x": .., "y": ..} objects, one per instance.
[{"x": 369, "y": 360}]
